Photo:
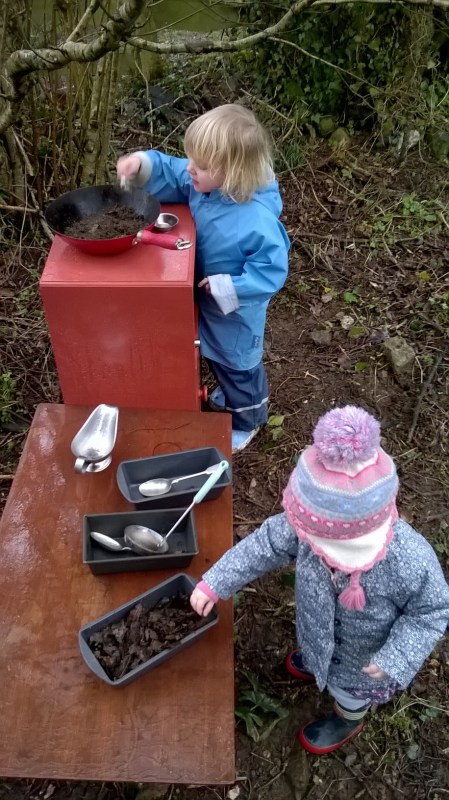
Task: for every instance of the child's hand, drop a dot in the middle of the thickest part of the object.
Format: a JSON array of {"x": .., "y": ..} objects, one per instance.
[
  {"x": 201, "y": 603},
  {"x": 204, "y": 284},
  {"x": 128, "y": 167},
  {"x": 375, "y": 672}
]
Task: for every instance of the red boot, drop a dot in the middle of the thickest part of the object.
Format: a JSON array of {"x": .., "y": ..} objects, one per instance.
[
  {"x": 295, "y": 667},
  {"x": 332, "y": 731}
]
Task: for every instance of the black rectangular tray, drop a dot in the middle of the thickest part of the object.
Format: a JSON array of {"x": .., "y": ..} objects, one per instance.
[
  {"x": 178, "y": 584},
  {"x": 182, "y": 543},
  {"x": 130, "y": 474}
]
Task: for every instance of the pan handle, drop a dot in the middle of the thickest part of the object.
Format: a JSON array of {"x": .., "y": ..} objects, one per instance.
[{"x": 166, "y": 240}]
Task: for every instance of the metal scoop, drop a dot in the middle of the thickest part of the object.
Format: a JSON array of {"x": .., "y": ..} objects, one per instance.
[
  {"x": 150, "y": 540},
  {"x": 158, "y": 486},
  {"x": 165, "y": 222},
  {"x": 108, "y": 542}
]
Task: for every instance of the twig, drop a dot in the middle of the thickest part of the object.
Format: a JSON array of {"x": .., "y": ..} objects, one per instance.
[
  {"x": 360, "y": 778},
  {"x": 434, "y": 517},
  {"x": 272, "y": 780},
  {"x": 443, "y": 219},
  {"x": 22, "y": 209},
  {"x": 421, "y": 397},
  {"x": 246, "y": 520},
  {"x": 363, "y": 779},
  {"x": 434, "y": 324},
  {"x": 7, "y": 477}
]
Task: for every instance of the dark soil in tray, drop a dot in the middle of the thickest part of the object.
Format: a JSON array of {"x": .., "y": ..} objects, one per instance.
[
  {"x": 143, "y": 633},
  {"x": 112, "y": 224}
]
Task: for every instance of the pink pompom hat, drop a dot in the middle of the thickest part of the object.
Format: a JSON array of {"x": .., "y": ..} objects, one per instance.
[{"x": 341, "y": 496}]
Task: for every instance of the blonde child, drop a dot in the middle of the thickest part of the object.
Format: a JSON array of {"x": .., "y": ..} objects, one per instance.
[
  {"x": 371, "y": 598},
  {"x": 242, "y": 248}
]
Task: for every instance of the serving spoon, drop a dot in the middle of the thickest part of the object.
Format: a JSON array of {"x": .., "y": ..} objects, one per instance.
[
  {"x": 108, "y": 542},
  {"x": 158, "y": 486},
  {"x": 153, "y": 541}
]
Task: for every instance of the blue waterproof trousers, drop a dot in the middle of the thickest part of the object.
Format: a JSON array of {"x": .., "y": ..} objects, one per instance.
[{"x": 246, "y": 394}]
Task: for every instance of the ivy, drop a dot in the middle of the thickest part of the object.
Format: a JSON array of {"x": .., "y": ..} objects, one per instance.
[{"x": 371, "y": 59}]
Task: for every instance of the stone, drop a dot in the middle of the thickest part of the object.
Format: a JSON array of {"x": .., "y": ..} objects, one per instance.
[
  {"x": 406, "y": 140},
  {"x": 401, "y": 357},
  {"x": 321, "y": 338},
  {"x": 340, "y": 139}
]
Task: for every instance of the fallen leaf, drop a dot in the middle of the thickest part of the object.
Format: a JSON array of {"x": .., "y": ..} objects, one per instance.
[
  {"x": 347, "y": 322},
  {"x": 321, "y": 337},
  {"x": 326, "y": 297},
  {"x": 356, "y": 331},
  {"x": 276, "y": 421}
]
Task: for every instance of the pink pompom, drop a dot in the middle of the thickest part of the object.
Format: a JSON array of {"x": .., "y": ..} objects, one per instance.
[
  {"x": 353, "y": 597},
  {"x": 345, "y": 435}
]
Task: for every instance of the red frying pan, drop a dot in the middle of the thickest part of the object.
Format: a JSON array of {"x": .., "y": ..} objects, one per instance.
[{"x": 92, "y": 200}]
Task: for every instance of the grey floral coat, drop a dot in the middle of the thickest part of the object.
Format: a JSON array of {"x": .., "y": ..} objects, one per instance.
[{"x": 406, "y": 611}]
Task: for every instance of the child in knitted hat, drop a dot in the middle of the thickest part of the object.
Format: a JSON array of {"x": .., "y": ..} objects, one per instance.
[{"x": 371, "y": 598}]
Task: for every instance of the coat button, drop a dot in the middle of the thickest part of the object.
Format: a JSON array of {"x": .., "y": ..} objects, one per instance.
[
  {"x": 337, "y": 640},
  {"x": 337, "y": 622},
  {"x": 335, "y": 660}
]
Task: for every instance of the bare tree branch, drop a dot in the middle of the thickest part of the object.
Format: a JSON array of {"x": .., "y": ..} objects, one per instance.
[
  {"x": 88, "y": 14},
  {"x": 18, "y": 73},
  {"x": 205, "y": 46},
  {"x": 23, "y": 63}
]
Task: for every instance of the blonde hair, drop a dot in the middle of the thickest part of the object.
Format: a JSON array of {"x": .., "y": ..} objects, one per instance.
[{"x": 230, "y": 141}]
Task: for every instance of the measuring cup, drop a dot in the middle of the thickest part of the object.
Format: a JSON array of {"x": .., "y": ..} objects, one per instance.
[{"x": 156, "y": 543}]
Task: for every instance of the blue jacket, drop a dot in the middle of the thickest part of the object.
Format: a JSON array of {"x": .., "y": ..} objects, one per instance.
[
  {"x": 243, "y": 240},
  {"x": 406, "y": 611}
]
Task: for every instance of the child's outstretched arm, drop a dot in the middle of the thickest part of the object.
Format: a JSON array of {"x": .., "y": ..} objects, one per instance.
[
  {"x": 271, "y": 546},
  {"x": 163, "y": 176}
]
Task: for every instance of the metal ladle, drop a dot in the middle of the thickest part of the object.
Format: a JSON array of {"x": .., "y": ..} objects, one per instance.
[
  {"x": 150, "y": 540},
  {"x": 158, "y": 486}
]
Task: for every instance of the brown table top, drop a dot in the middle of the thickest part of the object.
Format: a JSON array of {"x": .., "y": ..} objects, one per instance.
[{"x": 173, "y": 725}]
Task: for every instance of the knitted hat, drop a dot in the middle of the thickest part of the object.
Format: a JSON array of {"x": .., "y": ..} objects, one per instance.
[{"x": 341, "y": 496}]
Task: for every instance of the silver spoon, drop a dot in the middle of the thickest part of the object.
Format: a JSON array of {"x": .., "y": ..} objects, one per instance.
[
  {"x": 151, "y": 540},
  {"x": 125, "y": 183},
  {"x": 108, "y": 542},
  {"x": 158, "y": 486}
]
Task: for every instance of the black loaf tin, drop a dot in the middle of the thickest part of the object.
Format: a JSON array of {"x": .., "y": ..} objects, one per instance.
[
  {"x": 182, "y": 543},
  {"x": 130, "y": 474},
  {"x": 179, "y": 584}
]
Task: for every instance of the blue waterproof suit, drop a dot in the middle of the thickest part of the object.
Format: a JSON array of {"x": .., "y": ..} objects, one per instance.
[{"x": 244, "y": 240}]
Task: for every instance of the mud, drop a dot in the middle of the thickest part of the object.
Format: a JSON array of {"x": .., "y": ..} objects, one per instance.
[{"x": 111, "y": 224}]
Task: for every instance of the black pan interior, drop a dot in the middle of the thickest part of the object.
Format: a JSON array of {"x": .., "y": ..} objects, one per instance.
[{"x": 81, "y": 203}]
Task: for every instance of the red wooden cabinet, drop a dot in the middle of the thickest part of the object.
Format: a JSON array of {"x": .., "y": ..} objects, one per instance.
[{"x": 124, "y": 327}]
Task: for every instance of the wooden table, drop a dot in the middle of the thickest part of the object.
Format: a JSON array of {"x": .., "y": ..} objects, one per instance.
[{"x": 173, "y": 725}]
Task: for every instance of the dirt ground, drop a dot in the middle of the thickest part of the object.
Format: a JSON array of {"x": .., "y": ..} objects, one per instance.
[{"x": 369, "y": 261}]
